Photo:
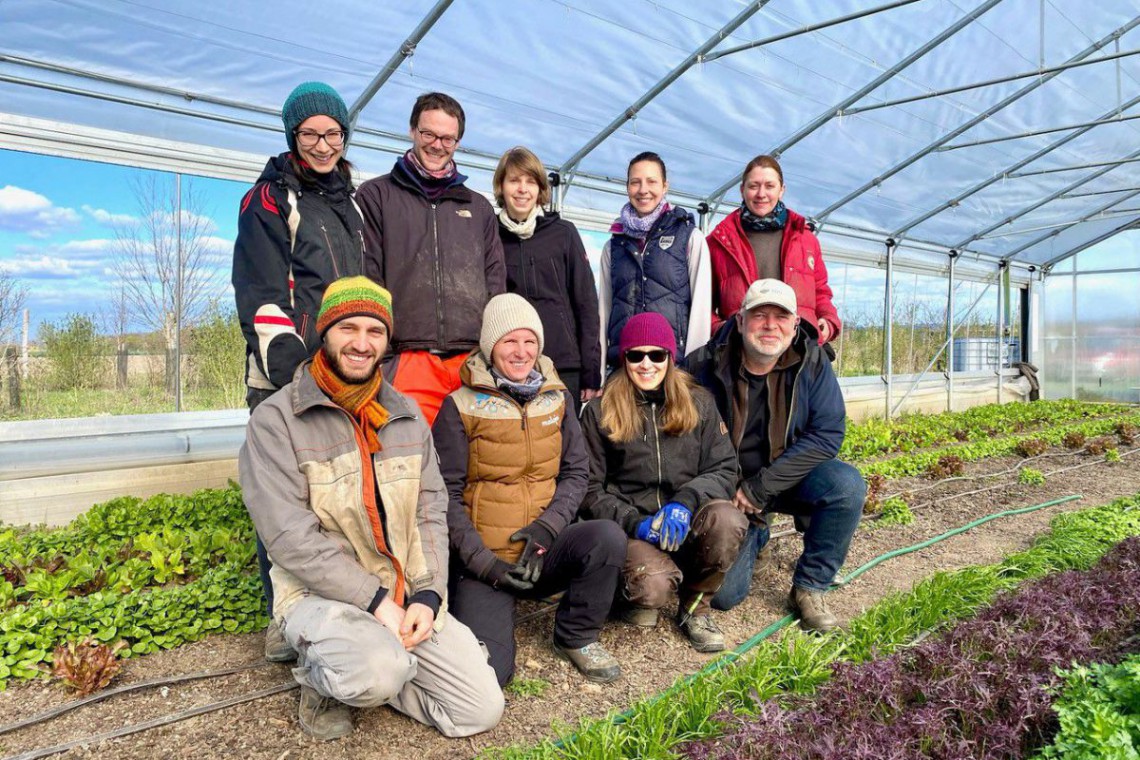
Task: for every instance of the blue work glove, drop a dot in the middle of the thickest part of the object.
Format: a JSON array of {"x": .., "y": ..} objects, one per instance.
[
  {"x": 649, "y": 529},
  {"x": 675, "y": 522}
]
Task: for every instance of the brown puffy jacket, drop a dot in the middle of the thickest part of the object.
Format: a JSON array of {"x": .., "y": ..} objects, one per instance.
[{"x": 507, "y": 465}]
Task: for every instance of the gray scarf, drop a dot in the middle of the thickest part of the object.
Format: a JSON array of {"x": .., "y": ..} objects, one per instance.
[{"x": 524, "y": 391}]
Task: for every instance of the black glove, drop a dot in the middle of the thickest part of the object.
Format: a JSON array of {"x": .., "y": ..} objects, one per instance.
[
  {"x": 539, "y": 539},
  {"x": 507, "y": 577}
]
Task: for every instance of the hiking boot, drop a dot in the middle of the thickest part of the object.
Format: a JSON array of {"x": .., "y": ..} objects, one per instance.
[
  {"x": 277, "y": 649},
  {"x": 592, "y": 661},
  {"x": 642, "y": 617},
  {"x": 323, "y": 718},
  {"x": 811, "y": 606},
  {"x": 704, "y": 634}
]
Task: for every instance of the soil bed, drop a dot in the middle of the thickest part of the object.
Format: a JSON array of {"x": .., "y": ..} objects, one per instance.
[{"x": 651, "y": 659}]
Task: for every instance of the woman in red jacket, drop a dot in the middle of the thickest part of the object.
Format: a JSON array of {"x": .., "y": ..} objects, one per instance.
[{"x": 766, "y": 239}]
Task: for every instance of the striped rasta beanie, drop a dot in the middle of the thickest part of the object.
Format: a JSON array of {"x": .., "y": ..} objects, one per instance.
[
  {"x": 354, "y": 297},
  {"x": 312, "y": 99}
]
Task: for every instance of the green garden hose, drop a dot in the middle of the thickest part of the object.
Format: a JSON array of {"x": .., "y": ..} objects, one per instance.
[{"x": 744, "y": 648}]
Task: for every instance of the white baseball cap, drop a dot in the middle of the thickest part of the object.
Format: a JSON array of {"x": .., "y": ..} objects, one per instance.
[{"x": 770, "y": 291}]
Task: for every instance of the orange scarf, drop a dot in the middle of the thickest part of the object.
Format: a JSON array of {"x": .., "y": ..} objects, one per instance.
[{"x": 358, "y": 399}]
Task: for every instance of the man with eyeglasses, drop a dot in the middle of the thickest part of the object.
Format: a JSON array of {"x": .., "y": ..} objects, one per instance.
[
  {"x": 435, "y": 244},
  {"x": 780, "y": 399}
]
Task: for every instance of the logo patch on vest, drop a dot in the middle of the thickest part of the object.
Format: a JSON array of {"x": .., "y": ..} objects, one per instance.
[
  {"x": 811, "y": 262},
  {"x": 551, "y": 421},
  {"x": 463, "y": 213},
  {"x": 666, "y": 241}
]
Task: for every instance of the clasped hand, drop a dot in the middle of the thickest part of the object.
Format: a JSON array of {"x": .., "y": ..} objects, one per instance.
[
  {"x": 411, "y": 626},
  {"x": 668, "y": 528}
]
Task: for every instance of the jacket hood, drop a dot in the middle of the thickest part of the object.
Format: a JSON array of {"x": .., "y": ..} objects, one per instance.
[
  {"x": 476, "y": 373},
  {"x": 275, "y": 168}
]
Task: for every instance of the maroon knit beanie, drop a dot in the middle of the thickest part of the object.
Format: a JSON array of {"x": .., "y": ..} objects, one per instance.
[{"x": 648, "y": 329}]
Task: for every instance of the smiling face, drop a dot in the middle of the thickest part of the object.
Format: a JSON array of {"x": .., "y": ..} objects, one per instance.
[
  {"x": 520, "y": 193},
  {"x": 321, "y": 157},
  {"x": 645, "y": 186},
  {"x": 435, "y": 138},
  {"x": 767, "y": 331},
  {"x": 354, "y": 347},
  {"x": 645, "y": 373},
  {"x": 762, "y": 190},
  {"x": 515, "y": 354}
]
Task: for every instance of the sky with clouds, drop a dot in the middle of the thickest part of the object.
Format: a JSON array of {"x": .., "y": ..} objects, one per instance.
[{"x": 60, "y": 218}]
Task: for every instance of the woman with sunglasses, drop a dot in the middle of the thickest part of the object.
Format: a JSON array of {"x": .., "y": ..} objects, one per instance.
[
  {"x": 765, "y": 239},
  {"x": 298, "y": 230},
  {"x": 663, "y": 468},
  {"x": 656, "y": 260}
]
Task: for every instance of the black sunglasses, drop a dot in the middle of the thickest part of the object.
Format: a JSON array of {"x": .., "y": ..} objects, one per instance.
[{"x": 656, "y": 355}]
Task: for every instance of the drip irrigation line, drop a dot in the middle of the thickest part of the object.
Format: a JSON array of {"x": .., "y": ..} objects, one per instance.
[
  {"x": 730, "y": 657},
  {"x": 55, "y": 712},
  {"x": 165, "y": 720}
]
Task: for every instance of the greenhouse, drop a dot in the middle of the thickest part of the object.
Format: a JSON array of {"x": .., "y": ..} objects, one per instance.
[{"x": 969, "y": 168}]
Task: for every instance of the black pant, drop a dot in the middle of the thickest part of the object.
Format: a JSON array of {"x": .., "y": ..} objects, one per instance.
[
  {"x": 253, "y": 397},
  {"x": 572, "y": 379},
  {"x": 585, "y": 561}
]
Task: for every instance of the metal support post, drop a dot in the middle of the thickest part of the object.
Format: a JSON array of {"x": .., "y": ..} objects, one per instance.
[
  {"x": 1073, "y": 335},
  {"x": 703, "y": 209},
  {"x": 555, "y": 191},
  {"x": 1002, "y": 267},
  {"x": 888, "y": 325},
  {"x": 950, "y": 333},
  {"x": 178, "y": 295}
]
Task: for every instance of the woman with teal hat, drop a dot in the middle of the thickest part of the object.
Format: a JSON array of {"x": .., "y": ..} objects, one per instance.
[{"x": 298, "y": 230}]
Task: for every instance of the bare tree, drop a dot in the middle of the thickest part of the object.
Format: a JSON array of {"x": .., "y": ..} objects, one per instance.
[
  {"x": 13, "y": 296},
  {"x": 147, "y": 258}
]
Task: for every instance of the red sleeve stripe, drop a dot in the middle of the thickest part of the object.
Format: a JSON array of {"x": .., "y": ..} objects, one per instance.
[
  {"x": 268, "y": 202},
  {"x": 245, "y": 201},
  {"x": 266, "y": 320}
]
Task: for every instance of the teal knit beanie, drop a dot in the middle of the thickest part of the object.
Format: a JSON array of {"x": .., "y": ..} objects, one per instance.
[{"x": 312, "y": 99}]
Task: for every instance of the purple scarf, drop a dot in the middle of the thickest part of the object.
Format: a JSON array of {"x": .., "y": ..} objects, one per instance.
[
  {"x": 630, "y": 224},
  {"x": 431, "y": 184}
]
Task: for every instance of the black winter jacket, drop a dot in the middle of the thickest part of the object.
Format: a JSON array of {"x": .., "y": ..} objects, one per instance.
[
  {"x": 629, "y": 481},
  {"x": 551, "y": 271},
  {"x": 816, "y": 420},
  {"x": 278, "y": 280},
  {"x": 441, "y": 260}
]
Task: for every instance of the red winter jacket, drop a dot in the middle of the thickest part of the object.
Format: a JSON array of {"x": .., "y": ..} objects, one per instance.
[{"x": 734, "y": 269}]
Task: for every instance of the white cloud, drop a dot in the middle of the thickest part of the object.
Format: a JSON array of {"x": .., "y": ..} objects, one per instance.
[
  {"x": 27, "y": 211},
  {"x": 109, "y": 219},
  {"x": 49, "y": 267}
]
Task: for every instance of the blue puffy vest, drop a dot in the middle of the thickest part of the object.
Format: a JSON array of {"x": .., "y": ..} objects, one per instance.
[{"x": 656, "y": 280}]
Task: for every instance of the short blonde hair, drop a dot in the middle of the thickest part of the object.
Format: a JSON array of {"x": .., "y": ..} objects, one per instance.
[{"x": 522, "y": 160}]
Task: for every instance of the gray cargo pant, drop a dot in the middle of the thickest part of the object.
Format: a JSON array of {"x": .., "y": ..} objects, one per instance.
[{"x": 345, "y": 653}]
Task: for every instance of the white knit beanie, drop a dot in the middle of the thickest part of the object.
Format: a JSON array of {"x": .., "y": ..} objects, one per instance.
[{"x": 505, "y": 313}]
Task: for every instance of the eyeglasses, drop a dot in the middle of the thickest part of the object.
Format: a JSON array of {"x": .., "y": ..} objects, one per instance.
[
  {"x": 656, "y": 355},
  {"x": 429, "y": 137},
  {"x": 307, "y": 139}
]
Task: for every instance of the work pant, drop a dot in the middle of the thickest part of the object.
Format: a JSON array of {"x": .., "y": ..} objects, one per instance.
[
  {"x": 695, "y": 571},
  {"x": 585, "y": 561},
  {"x": 345, "y": 653},
  {"x": 426, "y": 377},
  {"x": 253, "y": 397},
  {"x": 831, "y": 497}
]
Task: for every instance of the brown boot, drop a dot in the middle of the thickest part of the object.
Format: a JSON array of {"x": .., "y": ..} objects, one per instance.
[
  {"x": 811, "y": 607},
  {"x": 277, "y": 649},
  {"x": 703, "y": 632},
  {"x": 323, "y": 718},
  {"x": 642, "y": 617}
]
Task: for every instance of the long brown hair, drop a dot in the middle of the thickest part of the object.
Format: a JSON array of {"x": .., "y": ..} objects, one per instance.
[{"x": 620, "y": 415}]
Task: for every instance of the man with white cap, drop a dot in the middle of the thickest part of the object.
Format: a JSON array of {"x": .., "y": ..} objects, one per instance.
[{"x": 780, "y": 399}]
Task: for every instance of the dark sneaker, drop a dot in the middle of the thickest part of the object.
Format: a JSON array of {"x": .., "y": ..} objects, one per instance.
[
  {"x": 277, "y": 649},
  {"x": 703, "y": 633},
  {"x": 811, "y": 606},
  {"x": 592, "y": 661},
  {"x": 642, "y": 617},
  {"x": 323, "y": 718}
]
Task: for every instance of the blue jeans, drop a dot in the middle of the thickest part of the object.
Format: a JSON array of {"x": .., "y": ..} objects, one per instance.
[{"x": 832, "y": 497}]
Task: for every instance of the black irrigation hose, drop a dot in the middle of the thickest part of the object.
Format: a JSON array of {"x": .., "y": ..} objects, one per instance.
[
  {"x": 165, "y": 720},
  {"x": 55, "y": 712}
]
